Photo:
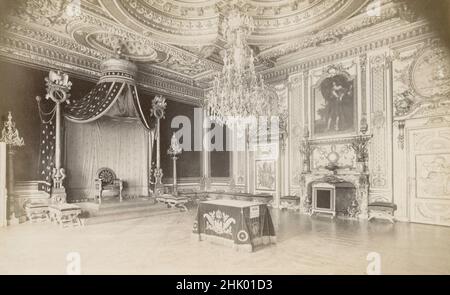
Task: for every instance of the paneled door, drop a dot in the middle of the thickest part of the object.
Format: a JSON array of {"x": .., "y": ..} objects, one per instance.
[{"x": 429, "y": 174}]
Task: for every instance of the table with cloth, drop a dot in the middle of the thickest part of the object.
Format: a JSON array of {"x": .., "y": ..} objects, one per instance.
[{"x": 241, "y": 224}]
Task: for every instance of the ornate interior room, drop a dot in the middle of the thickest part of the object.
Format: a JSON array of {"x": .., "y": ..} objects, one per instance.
[{"x": 271, "y": 137}]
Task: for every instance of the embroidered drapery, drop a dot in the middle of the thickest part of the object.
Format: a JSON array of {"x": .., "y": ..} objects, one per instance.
[
  {"x": 115, "y": 95},
  {"x": 119, "y": 144}
]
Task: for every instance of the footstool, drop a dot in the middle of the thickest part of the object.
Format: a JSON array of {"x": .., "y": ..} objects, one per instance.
[
  {"x": 37, "y": 212},
  {"x": 289, "y": 202},
  {"x": 382, "y": 210},
  {"x": 174, "y": 201},
  {"x": 65, "y": 214}
]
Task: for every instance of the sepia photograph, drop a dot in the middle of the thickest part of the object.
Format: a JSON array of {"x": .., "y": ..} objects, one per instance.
[{"x": 225, "y": 137}]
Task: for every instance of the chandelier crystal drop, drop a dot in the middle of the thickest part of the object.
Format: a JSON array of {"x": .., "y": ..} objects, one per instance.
[{"x": 237, "y": 92}]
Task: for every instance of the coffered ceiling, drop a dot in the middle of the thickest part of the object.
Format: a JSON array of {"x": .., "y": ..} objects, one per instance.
[{"x": 176, "y": 42}]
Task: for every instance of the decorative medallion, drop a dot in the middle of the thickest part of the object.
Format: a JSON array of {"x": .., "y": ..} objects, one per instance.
[
  {"x": 242, "y": 236},
  {"x": 430, "y": 75},
  {"x": 219, "y": 222}
]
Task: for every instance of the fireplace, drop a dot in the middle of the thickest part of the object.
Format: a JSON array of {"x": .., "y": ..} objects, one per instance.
[
  {"x": 335, "y": 197},
  {"x": 324, "y": 198}
]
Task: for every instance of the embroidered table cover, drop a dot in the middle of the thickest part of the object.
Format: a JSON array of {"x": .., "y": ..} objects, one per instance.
[{"x": 241, "y": 224}]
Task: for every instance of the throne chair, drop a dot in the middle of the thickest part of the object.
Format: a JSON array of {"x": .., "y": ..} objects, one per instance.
[{"x": 107, "y": 185}]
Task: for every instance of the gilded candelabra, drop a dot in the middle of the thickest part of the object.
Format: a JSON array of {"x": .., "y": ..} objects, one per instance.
[
  {"x": 158, "y": 111},
  {"x": 174, "y": 151},
  {"x": 10, "y": 136},
  {"x": 58, "y": 87}
]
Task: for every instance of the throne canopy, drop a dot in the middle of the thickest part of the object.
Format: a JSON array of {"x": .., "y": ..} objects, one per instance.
[{"x": 115, "y": 95}]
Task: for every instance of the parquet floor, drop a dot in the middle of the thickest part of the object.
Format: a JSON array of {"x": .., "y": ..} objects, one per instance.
[{"x": 164, "y": 245}]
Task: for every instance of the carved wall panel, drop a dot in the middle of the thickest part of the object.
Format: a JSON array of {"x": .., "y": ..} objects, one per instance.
[
  {"x": 346, "y": 156},
  {"x": 433, "y": 176},
  {"x": 295, "y": 129},
  {"x": 429, "y": 174},
  {"x": 381, "y": 127},
  {"x": 266, "y": 167},
  {"x": 422, "y": 79},
  {"x": 239, "y": 154},
  {"x": 241, "y": 168},
  {"x": 421, "y": 102}
]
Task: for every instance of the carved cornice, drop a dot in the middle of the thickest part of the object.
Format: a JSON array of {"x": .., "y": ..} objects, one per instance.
[
  {"x": 154, "y": 71},
  {"x": 313, "y": 59},
  {"x": 22, "y": 44},
  {"x": 182, "y": 91},
  {"x": 41, "y": 36},
  {"x": 23, "y": 51},
  {"x": 89, "y": 20},
  {"x": 50, "y": 58}
]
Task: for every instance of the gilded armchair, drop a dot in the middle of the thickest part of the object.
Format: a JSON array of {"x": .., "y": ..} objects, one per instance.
[{"x": 107, "y": 185}]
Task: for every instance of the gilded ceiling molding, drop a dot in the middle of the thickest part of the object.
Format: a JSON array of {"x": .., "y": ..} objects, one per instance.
[
  {"x": 149, "y": 17},
  {"x": 53, "y": 50},
  {"x": 103, "y": 25},
  {"x": 334, "y": 34},
  {"x": 41, "y": 33},
  {"x": 21, "y": 52},
  {"x": 193, "y": 94},
  {"x": 198, "y": 21},
  {"x": 25, "y": 32},
  {"x": 421, "y": 30}
]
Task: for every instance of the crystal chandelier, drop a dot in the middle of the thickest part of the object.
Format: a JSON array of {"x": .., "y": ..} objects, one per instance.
[{"x": 237, "y": 92}]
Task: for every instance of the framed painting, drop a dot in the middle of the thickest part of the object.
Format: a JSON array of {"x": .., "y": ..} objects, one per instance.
[
  {"x": 266, "y": 175},
  {"x": 334, "y": 106}
]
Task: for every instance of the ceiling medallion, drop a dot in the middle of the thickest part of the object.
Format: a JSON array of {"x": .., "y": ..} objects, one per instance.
[{"x": 238, "y": 92}]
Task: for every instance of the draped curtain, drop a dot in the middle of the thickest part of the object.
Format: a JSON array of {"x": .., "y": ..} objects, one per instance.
[{"x": 119, "y": 144}]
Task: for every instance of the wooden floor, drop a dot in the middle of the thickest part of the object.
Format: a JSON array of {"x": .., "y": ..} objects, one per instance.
[{"x": 164, "y": 245}]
